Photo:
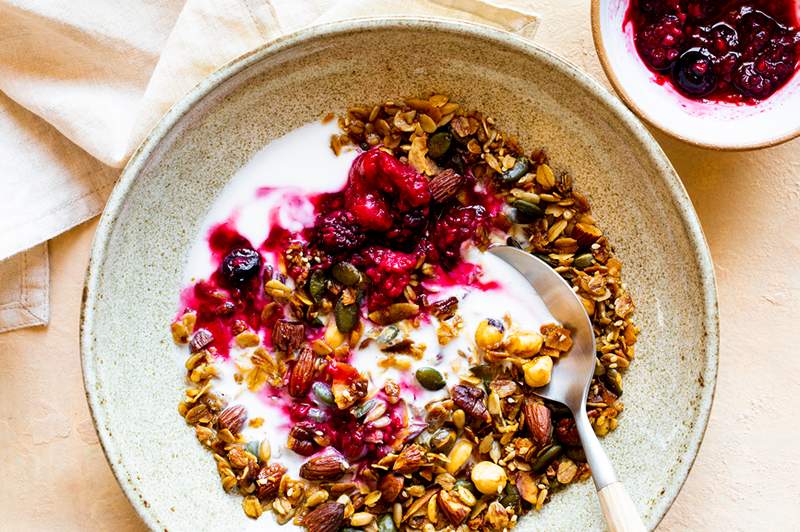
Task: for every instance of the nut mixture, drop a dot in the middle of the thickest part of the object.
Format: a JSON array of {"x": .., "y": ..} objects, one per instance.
[{"x": 487, "y": 453}]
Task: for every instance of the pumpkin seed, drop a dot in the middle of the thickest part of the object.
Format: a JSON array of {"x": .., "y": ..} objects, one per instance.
[
  {"x": 346, "y": 273},
  {"x": 363, "y": 409},
  {"x": 439, "y": 144},
  {"x": 599, "y": 368},
  {"x": 527, "y": 211},
  {"x": 316, "y": 285},
  {"x": 613, "y": 380},
  {"x": 386, "y": 524},
  {"x": 346, "y": 316},
  {"x": 516, "y": 172},
  {"x": 511, "y": 498},
  {"x": 513, "y": 242},
  {"x": 582, "y": 262},
  {"x": 545, "y": 457},
  {"x": 546, "y": 258},
  {"x": 322, "y": 392},
  {"x": 389, "y": 336},
  {"x": 252, "y": 447},
  {"x": 317, "y": 415},
  {"x": 430, "y": 378},
  {"x": 466, "y": 484}
]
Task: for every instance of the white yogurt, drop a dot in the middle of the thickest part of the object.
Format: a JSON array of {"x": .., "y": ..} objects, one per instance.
[{"x": 249, "y": 205}]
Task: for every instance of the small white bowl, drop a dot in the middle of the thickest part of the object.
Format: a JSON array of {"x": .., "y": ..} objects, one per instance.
[{"x": 712, "y": 125}]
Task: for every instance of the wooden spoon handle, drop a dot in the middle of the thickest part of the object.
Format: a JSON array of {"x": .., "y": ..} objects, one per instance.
[{"x": 618, "y": 509}]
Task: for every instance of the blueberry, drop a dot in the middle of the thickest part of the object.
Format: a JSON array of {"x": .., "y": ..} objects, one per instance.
[
  {"x": 240, "y": 265},
  {"x": 694, "y": 73}
]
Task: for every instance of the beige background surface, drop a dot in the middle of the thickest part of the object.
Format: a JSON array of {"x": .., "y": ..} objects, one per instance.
[{"x": 747, "y": 475}]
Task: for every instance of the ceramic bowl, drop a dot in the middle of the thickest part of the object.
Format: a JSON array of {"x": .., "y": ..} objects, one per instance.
[
  {"x": 710, "y": 125},
  {"x": 134, "y": 374}
]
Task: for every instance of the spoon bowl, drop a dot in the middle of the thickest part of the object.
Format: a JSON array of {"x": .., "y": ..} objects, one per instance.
[{"x": 571, "y": 378}]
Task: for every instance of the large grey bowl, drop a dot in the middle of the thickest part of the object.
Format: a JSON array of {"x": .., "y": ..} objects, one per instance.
[{"x": 134, "y": 377}]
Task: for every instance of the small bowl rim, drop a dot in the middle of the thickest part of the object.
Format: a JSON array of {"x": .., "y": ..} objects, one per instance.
[{"x": 619, "y": 88}]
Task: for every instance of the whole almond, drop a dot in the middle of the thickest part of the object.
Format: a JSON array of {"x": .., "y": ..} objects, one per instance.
[
  {"x": 411, "y": 458},
  {"x": 451, "y": 506},
  {"x": 390, "y": 487},
  {"x": 302, "y": 372},
  {"x": 268, "y": 480},
  {"x": 200, "y": 339},
  {"x": 538, "y": 419},
  {"x": 586, "y": 234},
  {"x": 327, "y": 517},
  {"x": 445, "y": 184},
  {"x": 328, "y": 465},
  {"x": 232, "y": 418}
]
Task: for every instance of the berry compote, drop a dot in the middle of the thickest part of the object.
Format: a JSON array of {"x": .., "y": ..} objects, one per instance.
[{"x": 718, "y": 50}]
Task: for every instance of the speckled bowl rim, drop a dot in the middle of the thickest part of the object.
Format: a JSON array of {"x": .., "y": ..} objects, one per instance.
[
  {"x": 114, "y": 452},
  {"x": 629, "y": 100}
]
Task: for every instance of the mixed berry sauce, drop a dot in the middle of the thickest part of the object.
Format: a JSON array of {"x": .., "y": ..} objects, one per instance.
[
  {"x": 386, "y": 223},
  {"x": 718, "y": 50}
]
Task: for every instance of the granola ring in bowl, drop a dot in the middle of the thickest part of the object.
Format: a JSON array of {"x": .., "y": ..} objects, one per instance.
[{"x": 135, "y": 376}]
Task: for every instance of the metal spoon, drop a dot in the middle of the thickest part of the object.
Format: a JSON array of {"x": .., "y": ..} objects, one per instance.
[{"x": 570, "y": 381}]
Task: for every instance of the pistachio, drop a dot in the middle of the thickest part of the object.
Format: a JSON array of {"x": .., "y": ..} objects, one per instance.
[
  {"x": 386, "y": 524},
  {"x": 323, "y": 394},
  {"x": 613, "y": 380},
  {"x": 430, "y": 379}
]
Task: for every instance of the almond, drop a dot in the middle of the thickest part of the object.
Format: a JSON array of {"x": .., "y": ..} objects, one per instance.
[
  {"x": 302, "y": 372},
  {"x": 445, "y": 184},
  {"x": 537, "y": 417},
  {"x": 328, "y": 465},
  {"x": 411, "y": 458},
  {"x": 451, "y": 506},
  {"x": 268, "y": 480},
  {"x": 232, "y": 418},
  {"x": 327, "y": 517},
  {"x": 288, "y": 335},
  {"x": 200, "y": 339},
  {"x": 586, "y": 234},
  {"x": 390, "y": 487}
]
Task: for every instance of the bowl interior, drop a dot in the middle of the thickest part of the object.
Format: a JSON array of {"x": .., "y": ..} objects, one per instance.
[
  {"x": 134, "y": 374},
  {"x": 715, "y": 125}
]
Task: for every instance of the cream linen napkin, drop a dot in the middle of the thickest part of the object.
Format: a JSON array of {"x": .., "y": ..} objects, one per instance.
[{"x": 81, "y": 83}]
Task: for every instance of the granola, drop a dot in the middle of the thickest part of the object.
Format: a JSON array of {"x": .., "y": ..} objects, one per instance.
[{"x": 483, "y": 450}]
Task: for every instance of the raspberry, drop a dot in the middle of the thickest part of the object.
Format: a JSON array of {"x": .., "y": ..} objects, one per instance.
[
  {"x": 390, "y": 271},
  {"x": 455, "y": 227},
  {"x": 409, "y": 228},
  {"x": 338, "y": 232},
  {"x": 659, "y": 43},
  {"x": 378, "y": 183}
]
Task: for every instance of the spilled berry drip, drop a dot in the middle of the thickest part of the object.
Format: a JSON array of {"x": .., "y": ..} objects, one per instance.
[{"x": 718, "y": 50}]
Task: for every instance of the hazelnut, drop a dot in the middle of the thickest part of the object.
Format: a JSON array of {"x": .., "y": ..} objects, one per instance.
[{"x": 489, "y": 478}]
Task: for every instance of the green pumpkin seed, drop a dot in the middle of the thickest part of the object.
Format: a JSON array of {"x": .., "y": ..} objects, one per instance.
[
  {"x": 439, "y": 144},
  {"x": 351, "y": 529},
  {"x": 546, "y": 258},
  {"x": 466, "y": 484},
  {"x": 389, "y": 336},
  {"x": 599, "y": 368},
  {"x": 386, "y": 524},
  {"x": 363, "y": 409},
  {"x": 322, "y": 392},
  {"x": 430, "y": 378},
  {"x": 513, "y": 242},
  {"x": 613, "y": 380},
  {"x": 252, "y": 447},
  {"x": 316, "y": 285},
  {"x": 527, "y": 211},
  {"x": 576, "y": 454},
  {"x": 511, "y": 498},
  {"x": 582, "y": 262},
  {"x": 346, "y": 316},
  {"x": 545, "y": 458},
  {"x": 346, "y": 273},
  {"x": 514, "y": 174}
]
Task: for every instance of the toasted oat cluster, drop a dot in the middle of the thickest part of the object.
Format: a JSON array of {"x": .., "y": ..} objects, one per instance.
[{"x": 430, "y": 177}]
